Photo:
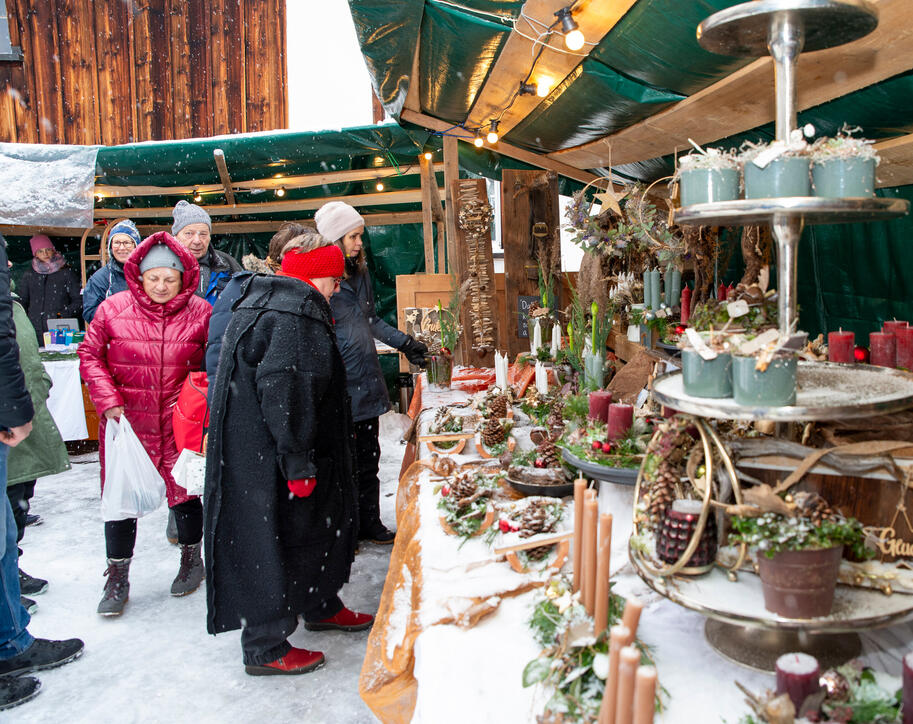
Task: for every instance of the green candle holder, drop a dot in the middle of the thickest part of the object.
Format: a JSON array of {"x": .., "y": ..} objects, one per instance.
[
  {"x": 774, "y": 387},
  {"x": 707, "y": 377}
]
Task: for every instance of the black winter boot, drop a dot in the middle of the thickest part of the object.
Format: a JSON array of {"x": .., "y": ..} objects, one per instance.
[
  {"x": 117, "y": 587},
  {"x": 16, "y": 690},
  {"x": 191, "y": 573},
  {"x": 42, "y": 654}
]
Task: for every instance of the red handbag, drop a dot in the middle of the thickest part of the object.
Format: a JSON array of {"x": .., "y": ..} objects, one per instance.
[{"x": 190, "y": 417}]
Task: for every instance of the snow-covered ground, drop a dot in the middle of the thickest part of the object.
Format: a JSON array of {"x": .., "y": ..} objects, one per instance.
[{"x": 156, "y": 663}]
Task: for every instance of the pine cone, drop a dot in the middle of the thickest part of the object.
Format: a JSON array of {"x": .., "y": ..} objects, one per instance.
[
  {"x": 492, "y": 432},
  {"x": 537, "y": 554},
  {"x": 534, "y": 520},
  {"x": 662, "y": 492},
  {"x": 814, "y": 507},
  {"x": 549, "y": 453},
  {"x": 555, "y": 420},
  {"x": 463, "y": 486},
  {"x": 498, "y": 407}
]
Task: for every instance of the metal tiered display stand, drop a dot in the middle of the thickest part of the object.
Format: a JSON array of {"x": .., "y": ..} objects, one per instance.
[{"x": 738, "y": 625}]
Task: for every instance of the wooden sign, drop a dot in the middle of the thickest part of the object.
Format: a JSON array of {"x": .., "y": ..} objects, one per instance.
[{"x": 524, "y": 305}]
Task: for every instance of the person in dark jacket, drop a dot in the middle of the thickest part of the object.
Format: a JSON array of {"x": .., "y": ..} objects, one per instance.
[
  {"x": 280, "y": 499},
  {"x": 192, "y": 228},
  {"x": 357, "y": 326},
  {"x": 49, "y": 289},
  {"x": 123, "y": 238},
  {"x": 136, "y": 355},
  {"x": 20, "y": 653}
]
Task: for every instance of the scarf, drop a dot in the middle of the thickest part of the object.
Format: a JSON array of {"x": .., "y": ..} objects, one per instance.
[{"x": 56, "y": 263}]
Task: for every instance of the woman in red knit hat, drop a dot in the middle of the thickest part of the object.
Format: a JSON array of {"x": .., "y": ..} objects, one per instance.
[{"x": 280, "y": 499}]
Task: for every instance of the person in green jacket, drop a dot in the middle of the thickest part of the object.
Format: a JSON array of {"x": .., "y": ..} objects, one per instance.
[{"x": 41, "y": 453}]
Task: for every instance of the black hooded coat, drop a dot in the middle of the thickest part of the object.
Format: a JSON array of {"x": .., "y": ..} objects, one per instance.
[{"x": 279, "y": 411}]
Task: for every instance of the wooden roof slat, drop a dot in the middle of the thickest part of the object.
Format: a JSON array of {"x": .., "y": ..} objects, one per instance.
[
  {"x": 219, "y": 155},
  {"x": 595, "y": 18},
  {"x": 745, "y": 99},
  {"x": 896, "y": 167}
]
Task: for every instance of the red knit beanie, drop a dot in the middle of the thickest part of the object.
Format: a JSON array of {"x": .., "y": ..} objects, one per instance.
[{"x": 325, "y": 261}]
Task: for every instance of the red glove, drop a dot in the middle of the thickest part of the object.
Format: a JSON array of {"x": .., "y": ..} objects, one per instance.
[{"x": 302, "y": 487}]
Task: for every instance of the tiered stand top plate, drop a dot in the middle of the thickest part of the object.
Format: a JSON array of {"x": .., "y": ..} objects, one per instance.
[
  {"x": 810, "y": 209},
  {"x": 826, "y": 391}
]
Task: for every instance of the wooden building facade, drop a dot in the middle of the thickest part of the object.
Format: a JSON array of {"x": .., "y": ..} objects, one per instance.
[{"x": 120, "y": 71}]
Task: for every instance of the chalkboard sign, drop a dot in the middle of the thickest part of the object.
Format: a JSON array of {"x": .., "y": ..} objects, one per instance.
[{"x": 524, "y": 304}]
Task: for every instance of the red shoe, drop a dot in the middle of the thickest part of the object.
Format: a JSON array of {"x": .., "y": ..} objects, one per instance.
[
  {"x": 296, "y": 661},
  {"x": 345, "y": 620}
]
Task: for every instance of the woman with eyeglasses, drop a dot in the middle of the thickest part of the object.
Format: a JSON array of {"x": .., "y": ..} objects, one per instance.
[
  {"x": 123, "y": 238},
  {"x": 48, "y": 289}
]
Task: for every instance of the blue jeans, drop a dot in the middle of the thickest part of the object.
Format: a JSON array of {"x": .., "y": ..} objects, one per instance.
[{"x": 14, "y": 638}]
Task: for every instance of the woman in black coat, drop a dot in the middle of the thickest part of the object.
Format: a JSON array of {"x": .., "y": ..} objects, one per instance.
[
  {"x": 49, "y": 289},
  {"x": 280, "y": 500}
]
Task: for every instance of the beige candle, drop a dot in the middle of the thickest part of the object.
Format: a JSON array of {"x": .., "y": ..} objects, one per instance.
[
  {"x": 601, "y": 608},
  {"x": 590, "y": 518},
  {"x": 618, "y": 637},
  {"x": 579, "y": 488},
  {"x": 631, "y": 616},
  {"x": 628, "y": 660},
  {"x": 644, "y": 695}
]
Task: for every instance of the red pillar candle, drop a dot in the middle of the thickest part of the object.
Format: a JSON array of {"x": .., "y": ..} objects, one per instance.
[
  {"x": 686, "y": 304},
  {"x": 599, "y": 405},
  {"x": 797, "y": 676},
  {"x": 904, "y": 348},
  {"x": 907, "y": 689},
  {"x": 893, "y": 326},
  {"x": 882, "y": 349},
  {"x": 621, "y": 417},
  {"x": 840, "y": 346}
]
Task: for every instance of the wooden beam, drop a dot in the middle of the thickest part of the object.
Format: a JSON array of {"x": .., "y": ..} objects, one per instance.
[
  {"x": 386, "y": 198},
  {"x": 896, "y": 167},
  {"x": 501, "y": 87},
  {"x": 288, "y": 182},
  {"x": 412, "y": 101},
  {"x": 219, "y": 155},
  {"x": 505, "y": 149},
  {"x": 745, "y": 99},
  {"x": 451, "y": 176},
  {"x": 427, "y": 222}
]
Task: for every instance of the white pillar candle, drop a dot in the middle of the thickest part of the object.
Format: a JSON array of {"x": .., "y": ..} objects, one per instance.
[
  {"x": 541, "y": 378},
  {"x": 500, "y": 370},
  {"x": 535, "y": 337}
]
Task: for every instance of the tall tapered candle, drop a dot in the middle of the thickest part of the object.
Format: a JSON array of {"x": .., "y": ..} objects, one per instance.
[
  {"x": 579, "y": 488},
  {"x": 556, "y": 340},
  {"x": 628, "y": 661},
  {"x": 667, "y": 286},
  {"x": 721, "y": 293},
  {"x": 500, "y": 370},
  {"x": 644, "y": 695},
  {"x": 797, "y": 676},
  {"x": 676, "y": 287},
  {"x": 621, "y": 417},
  {"x": 536, "y": 336},
  {"x": 882, "y": 349},
  {"x": 686, "y": 305},
  {"x": 541, "y": 378},
  {"x": 618, "y": 635},
  {"x": 840, "y": 346},
  {"x": 647, "y": 294},
  {"x": 655, "y": 289},
  {"x": 630, "y": 618},
  {"x": 907, "y": 688},
  {"x": 590, "y": 517},
  {"x": 601, "y": 615},
  {"x": 599, "y": 405}
]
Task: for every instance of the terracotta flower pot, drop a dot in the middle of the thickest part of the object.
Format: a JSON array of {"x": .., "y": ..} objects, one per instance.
[{"x": 800, "y": 584}]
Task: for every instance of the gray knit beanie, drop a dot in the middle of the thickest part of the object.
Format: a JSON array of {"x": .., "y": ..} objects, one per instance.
[
  {"x": 158, "y": 256},
  {"x": 336, "y": 219},
  {"x": 186, "y": 213}
]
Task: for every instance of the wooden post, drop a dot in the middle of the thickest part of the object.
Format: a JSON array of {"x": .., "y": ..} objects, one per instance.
[
  {"x": 427, "y": 222},
  {"x": 528, "y": 198},
  {"x": 451, "y": 174}
]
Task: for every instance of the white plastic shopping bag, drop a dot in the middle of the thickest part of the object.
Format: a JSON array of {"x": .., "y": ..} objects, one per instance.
[
  {"x": 190, "y": 471},
  {"x": 133, "y": 486}
]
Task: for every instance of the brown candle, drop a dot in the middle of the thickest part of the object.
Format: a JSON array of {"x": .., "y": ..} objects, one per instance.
[
  {"x": 628, "y": 661},
  {"x": 601, "y": 615},
  {"x": 590, "y": 516},
  {"x": 631, "y": 616},
  {"x": 579, "y": 487},
  {"x": 618, "y": 635},
  {"x": 644, "y": 695}
]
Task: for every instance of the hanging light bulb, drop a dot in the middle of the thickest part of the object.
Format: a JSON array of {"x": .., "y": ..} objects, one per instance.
[
  {"x": 380, "y": 186},
  {"x": 427, "y": 155},
  {"x": 543, "y": 86},
  {"x": 99, "y": 197},
  {"x": 573, "y": 38},
  {"x": 197, "y": 198},
  {"x": 477, "y": 141},
  {"x": 280, "y": 192},
  {"x": 527, "y": 89},
  {"x": 492, "y": 136}
]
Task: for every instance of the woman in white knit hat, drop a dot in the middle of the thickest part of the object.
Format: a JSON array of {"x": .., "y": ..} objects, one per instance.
[{"x": 357, "y": 326}]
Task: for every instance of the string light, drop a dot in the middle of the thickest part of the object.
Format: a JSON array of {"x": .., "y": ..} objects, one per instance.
[
  {"x": 280, "y": 192},
  {"x": 492, "y": 136},
  {"x": 477, "y": 141},
  {"x": 527, "y": 89},
  {"x": 380, "y": 186},
  {"x": 427, "y": 155},
  {"x": 197, "y": 197},
  {"x": 543, "y": 85},
  {"x": 99, "y": 197},
  {"x": 573, "y": 37}
]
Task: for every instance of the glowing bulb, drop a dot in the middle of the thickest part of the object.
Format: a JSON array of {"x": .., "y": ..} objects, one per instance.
[
  {"x": 280, "y": 192},
  {"x": 196, "y": 196},
  {"x": 492, "y": 136},
  {"x": 478, "y": 142},
  {"x": 574, "y": 40},
  {"x": 380, "y": 186},
  {"x": 427, "y": 155},
  {"x": 378, "y": 160},
  {"x": 99, "y": 197},
  {"x": 543, "y": 86}
]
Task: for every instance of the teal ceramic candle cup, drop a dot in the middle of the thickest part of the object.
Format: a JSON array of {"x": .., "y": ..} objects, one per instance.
[
  {"x": 706, "y": 378},
  {"x": 706, "y": 185},
  {"x": 844, "y": 178},
  {"x": 780, "y": 178},
  {"x": 773, "y": 387}
]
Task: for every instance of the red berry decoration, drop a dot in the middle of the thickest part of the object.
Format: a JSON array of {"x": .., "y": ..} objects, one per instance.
[
  {"x": 515, "y": 526},
  {"x": 504, "y": 525},
  {"x": 445, "y": 491},
  {"x": 539, "y": 463},
  {"x": 597, "y": 445},
  {"x": 606, "y": 447}
]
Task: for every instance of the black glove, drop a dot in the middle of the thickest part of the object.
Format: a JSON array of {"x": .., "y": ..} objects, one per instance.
[{"x": 415, "y": 351}]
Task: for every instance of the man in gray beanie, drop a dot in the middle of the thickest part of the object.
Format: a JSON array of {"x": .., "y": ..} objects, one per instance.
[{"x": 192, "y": 228}]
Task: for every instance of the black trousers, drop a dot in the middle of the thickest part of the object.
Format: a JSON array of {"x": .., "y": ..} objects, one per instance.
[
  {"x": 120, "y": 535},
  {"x": 19, "y": 496},
  {"x": 367, "y": 463},
  {"x": 266, "y": 642}
]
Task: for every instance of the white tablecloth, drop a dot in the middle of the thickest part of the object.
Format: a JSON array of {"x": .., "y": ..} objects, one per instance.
[{"x": 65, "y": 403}]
